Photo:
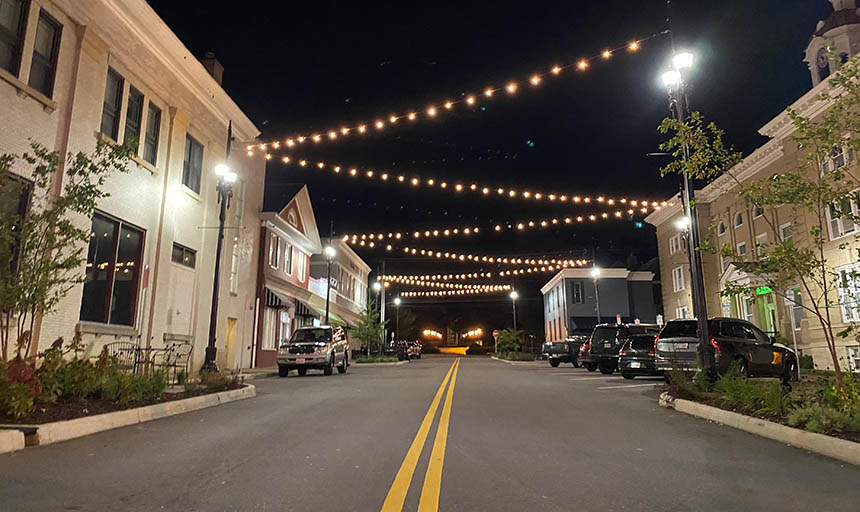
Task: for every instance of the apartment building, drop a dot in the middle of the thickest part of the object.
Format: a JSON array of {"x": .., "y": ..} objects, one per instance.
[
  {"x": 76, "y": 72},
  {"x": 747, "y": 229}
]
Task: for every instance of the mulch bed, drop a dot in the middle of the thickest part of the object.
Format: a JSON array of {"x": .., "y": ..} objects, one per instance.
[{"x": 71, "y": 409}]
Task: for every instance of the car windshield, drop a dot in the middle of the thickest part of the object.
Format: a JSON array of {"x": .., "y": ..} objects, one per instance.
[
  {"x": 604, "y": 334},
  {"x": 680, "y": 329},
  {"x": 310, "y": 336},
  {"x": 642, "y": 342}
]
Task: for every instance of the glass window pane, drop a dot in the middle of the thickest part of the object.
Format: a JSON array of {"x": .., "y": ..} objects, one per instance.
[
  {"x": 176, "y": 256},
  {"x": 133, "y": 115},
  {"x": 124, "y": 299},
  {"x": 98, "y": 270},
  {"x": 193, "y": 164},
  {"x": 12, "y": 16},
  {"x": 113, "y": 98},
  {"x": 153, "y": 125}
]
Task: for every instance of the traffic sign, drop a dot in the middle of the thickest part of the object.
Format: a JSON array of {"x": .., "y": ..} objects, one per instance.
[{"x": 496, "y": 334}]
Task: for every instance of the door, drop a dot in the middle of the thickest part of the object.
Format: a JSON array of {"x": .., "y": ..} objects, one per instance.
[
  {"x": 231, "y": 344},
  {"x": 767, "y": 313},
  {"x": 763, "y": 356}
]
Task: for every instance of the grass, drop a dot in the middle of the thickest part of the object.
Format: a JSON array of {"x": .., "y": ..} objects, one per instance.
[
  {"x": 375, "y": 359},
  {"x": 516, "y": 356}
]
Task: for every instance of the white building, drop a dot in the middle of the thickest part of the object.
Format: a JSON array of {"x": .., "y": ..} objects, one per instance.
[{"x": 76, "y": 71}]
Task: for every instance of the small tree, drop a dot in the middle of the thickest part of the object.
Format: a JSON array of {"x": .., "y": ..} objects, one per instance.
[
  {"x": 45, "y": 246},
  {"x": 508, "y": 341},
  {"x": 808, "y": 189},
  {"x": 369, "y": 329}
]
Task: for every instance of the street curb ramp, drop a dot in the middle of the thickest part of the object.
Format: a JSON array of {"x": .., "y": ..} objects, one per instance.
[
  {"x": 840, "y": 449},
  {"x": 11, "y": 440},
  {"x": 49, "y": 433}
]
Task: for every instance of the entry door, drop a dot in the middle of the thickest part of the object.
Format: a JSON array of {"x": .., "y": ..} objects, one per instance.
[
  {"x": 231, "y": 342},
  {"x": 767, "y": 312}
]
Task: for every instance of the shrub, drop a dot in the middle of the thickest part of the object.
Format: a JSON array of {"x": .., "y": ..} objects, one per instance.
[
  {"x": 475, "y": 349},
  {"x": 822, "y": 419},
  {"x": 219, "y": 380},
  {"x": 16, "y": 399},
  {"x": 517, "y": 356},
  {"x": 123, "y": 388},
  {"x": 375, "y": 359},
  {"x": 79, "y": 378},
  {"x": 181, "y": 377},
  {"x": 806, "y": 362},
  {"x": 769, "y": 397},
  {"x": 508, "y": 341},
  {"x": 429, "y": 348}
]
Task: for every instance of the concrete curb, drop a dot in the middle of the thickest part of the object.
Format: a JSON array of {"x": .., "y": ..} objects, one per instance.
[
  {"x": 11, "y": 440},
  {"x": 363, "y": 365},
  {"x": 515, "y": 363},
  {"x": 258, "y": 375},
  {"x": 846, "y": 451},
  {"x": 48, "y": 433}
]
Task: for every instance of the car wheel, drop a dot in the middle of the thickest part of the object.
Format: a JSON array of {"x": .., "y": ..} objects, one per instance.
[
  {"x": 743, "y": 368},
  {"x": 553, "y": 363},
  {"x": 628, "y": 376},
  {"x": 342, "y": 367},
  {"x": 605, "y": 369},
  {"x": 575, "y": 363},
  {"x": 590, "y": 367},
  {"x": 302, "y": 371},
  {"x": 328, "y": 369},
  {"x": 283, "y": 371}
]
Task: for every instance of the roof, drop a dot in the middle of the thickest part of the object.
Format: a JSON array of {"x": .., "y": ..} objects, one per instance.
[{"x": 279, "y": 194}]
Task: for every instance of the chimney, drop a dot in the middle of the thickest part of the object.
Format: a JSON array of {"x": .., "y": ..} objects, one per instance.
[{"x": 213, "y": 66}]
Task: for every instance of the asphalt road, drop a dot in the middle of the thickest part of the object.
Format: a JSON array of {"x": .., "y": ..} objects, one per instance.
[{"x": 519, "y": 438}]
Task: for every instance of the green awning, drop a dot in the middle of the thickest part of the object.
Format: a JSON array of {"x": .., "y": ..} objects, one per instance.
[{"x": 332, "y": 317}]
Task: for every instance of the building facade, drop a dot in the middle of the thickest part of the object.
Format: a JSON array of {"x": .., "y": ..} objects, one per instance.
[
  {"x": 349, "y": 274},
  {"x": 76, "y": 72},
  {"x": 571, "y": 300},
  {"x": 748, "y": 230}
]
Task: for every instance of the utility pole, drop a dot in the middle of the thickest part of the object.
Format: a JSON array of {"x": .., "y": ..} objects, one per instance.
[{"x": 329, "y": 256}]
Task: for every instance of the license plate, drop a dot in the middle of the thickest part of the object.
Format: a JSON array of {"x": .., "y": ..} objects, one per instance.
[
  {"x": 684, "y": 346},
  {"x": 634, "y": 364},
  {"x": 607, "y": 345},
  {"x": 300, "y": 360}
]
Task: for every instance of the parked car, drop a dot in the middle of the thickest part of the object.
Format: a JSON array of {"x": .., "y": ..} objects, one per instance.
[
  {"x": 322, "y": 348},
  {"x": 557, "y": 352},
  {"x": 636, "y": 357},
  {"x": 607, "y": 339},
  {"x": 732, "y": 342}
]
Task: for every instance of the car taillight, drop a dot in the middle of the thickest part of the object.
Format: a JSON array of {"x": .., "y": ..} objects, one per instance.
[
  {"x": 622, "y": 352},
  {"x": 715, "y": 343},
  {"x": 650, "y": 352},
  {"x": 657, "y": 339}
]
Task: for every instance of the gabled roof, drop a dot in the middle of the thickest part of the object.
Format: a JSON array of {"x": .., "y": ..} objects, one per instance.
[{"x": 295, "y": 199}]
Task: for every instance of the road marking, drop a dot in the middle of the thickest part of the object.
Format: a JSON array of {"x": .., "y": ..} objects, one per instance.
[
  {"x": 429, "y": 501},
  {"x": 629, "y": 386},
  {"x": 592, "y": 378},
  {"x": 565, "y": 373},
  {"x": 397, "y": 494}
]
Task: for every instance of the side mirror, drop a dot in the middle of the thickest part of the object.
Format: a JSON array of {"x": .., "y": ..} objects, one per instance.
[{"x": 772, "y": 340}]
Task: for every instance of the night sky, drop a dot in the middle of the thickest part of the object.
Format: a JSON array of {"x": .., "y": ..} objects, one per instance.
[{"x": 299, "y": 68}]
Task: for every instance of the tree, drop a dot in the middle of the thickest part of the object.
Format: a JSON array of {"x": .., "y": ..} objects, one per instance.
[
  {"x": 816, "y": 184},
  {"x": 508, "y": 341},
  {"x": 369, "y": 329},
  {"x": 41, "y": 234}
]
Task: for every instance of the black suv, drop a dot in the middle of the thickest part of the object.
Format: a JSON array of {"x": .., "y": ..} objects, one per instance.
[
  {"x": 732, "y": 341},
  {"x": 607, "y": 339},
  {"x": 636, "y": 357}
]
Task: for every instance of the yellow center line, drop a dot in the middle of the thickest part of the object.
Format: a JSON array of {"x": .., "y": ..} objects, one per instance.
[
  {"x": 397, "y": 494},
  {"x": 429, "y": 501}
]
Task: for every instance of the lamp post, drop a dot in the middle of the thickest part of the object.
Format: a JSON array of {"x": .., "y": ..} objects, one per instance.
[
  {"x": 330, "y": 253},
  {"x": 397, "y": 312},
  {"x": 514, "y": 296},
  {"x": 226, "y": 178},
  {"x": 678, "y": 102},
  {"x": 595, "y": 273},
  {"x": 377, "y": 287}
]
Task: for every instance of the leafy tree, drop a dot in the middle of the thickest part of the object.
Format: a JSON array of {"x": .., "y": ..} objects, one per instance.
[
  {"x": 45, "y": 247},
  {"x": 508, "y": 341},
  {"x": 807, "y": 189},
  {"x": 369, "y": 329}
]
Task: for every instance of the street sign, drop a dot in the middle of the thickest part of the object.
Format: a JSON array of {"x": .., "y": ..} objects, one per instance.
[{"x": 496, "y": 334}]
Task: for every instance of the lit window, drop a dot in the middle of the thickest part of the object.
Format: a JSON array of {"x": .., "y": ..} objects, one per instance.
[
  {"x": 849, "y": 292},
  {"x": 842, "y": 218},
  {"x": 675, "y": 244},
  {"x": 274, "y": 251}
]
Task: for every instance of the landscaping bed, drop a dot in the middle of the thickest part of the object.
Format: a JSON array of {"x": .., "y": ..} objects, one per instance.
[{"x": 375, "y": 359}]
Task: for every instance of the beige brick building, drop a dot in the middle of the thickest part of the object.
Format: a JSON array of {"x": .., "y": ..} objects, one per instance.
[
  {"x": 739, "y": 225},
  {"x": 73, "y": 72}
]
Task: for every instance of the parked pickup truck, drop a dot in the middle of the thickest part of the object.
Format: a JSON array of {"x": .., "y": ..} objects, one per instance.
[
  {"x": 566, "y": 351},
  {"x": 321, "y": 348}
]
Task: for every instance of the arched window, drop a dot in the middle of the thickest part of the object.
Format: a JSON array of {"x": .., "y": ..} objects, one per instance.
[
  {"x": 739, "y": 220},
  {"x": 291, "y": 218},
  {"x": 721, "y": 228}
]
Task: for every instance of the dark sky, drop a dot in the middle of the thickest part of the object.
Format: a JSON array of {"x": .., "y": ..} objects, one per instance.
[{"x": 299, "y": 67}]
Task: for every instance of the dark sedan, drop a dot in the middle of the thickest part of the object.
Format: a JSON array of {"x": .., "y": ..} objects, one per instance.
[{"x": 636, "y": 357}]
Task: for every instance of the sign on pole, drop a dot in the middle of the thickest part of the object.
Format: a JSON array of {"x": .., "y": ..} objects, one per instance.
[{"x": 495, "y": 334}]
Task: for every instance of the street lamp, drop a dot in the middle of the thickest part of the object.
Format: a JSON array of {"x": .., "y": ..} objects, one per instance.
[
  {"x": 224, "y": 187},
  {"x": 678, "y": 102},
  {"x": 380, "y": 290},
  {"x": 397, "y": 312},
  {"x": 595, "y": 273},
  {"x": 514, "y": 296},
  {"x": 329, "y": 253}
]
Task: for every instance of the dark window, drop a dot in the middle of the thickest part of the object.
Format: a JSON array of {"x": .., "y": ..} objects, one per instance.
[
  {"x": 184, "y": 256},
  {"x": 153, "y": 126},
  {"x": 133, "y": 116},
  {"x": 45, "y": 53},
  {"x": 642, "y": 342},
  {"x": 192, "y": 168},
  {"x": 112, "y": 105},
  {"x": 113, "y": 272},
  {"x": 682, "y": 329},
  {"x": 604, "y": 334},
  {"x": 13, "y": 19}
]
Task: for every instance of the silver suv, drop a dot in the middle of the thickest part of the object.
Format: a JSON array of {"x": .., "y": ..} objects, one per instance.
[{"x": 322, "y": 348}]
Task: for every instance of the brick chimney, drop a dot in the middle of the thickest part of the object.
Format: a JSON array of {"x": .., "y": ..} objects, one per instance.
[{"x": 213, "y": 66}]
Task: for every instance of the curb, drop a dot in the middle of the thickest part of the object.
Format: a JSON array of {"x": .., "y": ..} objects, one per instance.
[
  {"x": 363, "y": 365},
  {"x": 258, "y": 375},
  {"x": 846, "y": 451},
  {"x": 515, "y": 363},
  {"x": 11, "y": 440},
  {"x": 49, "y": 433}
]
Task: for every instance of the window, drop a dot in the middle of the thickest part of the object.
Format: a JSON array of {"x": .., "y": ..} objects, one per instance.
[
  {"x": 758, "y": 211},
  {"x": 112, "y": 105},
  {"x": 839, "y": 157},
  {"x": 721, "y": 228},
  {"x": 675, "y": 244},
  {"x": 724, "y": 263},
  {"x": 785, "y": 232},
  {"x": 678, "y": 279},
  {"x": 13, "y": 19},
  {"x": 842, "y": 218},
  {"x": 274, "y": 251},
  {"x": 288, "y": 259},
  {"x": 854, "y": 358},
  {"x": 747, "y": 306},
  {"x": 45, "y": 52},
  {"x": 133, "y": 116},
  {"x": 112, "y": 272},
  {"x": 301, "y": 268},
  {"x": 682, "y": 313},
  {"x": 760, "y": 244},
  {"x": 184, "y": 256},
  {"x": 192, "y": 167},
  {"x": 742, "y": 249},
  {"x": 739, "y": 220},
  {"x": 578, "y": 296},
  {"x": 849, "y": 292},
  {"x": 150, "y": 139},
  {"x": 794, "y": 300},
  {"x": 234, "y": 268}
]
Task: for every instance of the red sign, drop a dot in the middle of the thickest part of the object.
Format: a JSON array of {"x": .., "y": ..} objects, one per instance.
[{"x": 496, "y": 334}]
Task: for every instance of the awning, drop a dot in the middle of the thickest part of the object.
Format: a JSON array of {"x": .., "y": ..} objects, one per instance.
[{"x": 332, "y": 317}]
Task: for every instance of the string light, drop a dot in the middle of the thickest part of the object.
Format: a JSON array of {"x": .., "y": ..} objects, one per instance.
[
  {"x": 636, "y": 205},
  {"x": 446, "y": 293},
  {"x": 454, "y": 286},
  {"x": 402, "y": 278},
  {"x": 470, "y": 100},
  {"x": 439, "y": 254}
]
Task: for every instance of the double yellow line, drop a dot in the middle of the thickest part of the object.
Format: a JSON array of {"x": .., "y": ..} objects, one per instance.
[{"x": 429, "y": 501}]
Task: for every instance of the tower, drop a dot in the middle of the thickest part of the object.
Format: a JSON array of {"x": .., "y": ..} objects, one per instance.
[{"x": 839, "y": 34}]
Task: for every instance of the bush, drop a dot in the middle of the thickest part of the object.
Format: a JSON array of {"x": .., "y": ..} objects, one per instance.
[
  {"x": 516, "y": 356},
  {"x": 822, "y": 419},
  {"x": 806, "y": 362},
  {"x": 508, "y": 341},
  {"x": 375, "y": 359},
  {"x": 124, "y": 388},
  {"x": 475, "y": 350},
  {"x": 16, "y": 399},
  {"x": 219, "y": 380},
  {"x": 429, "y": 348}
]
